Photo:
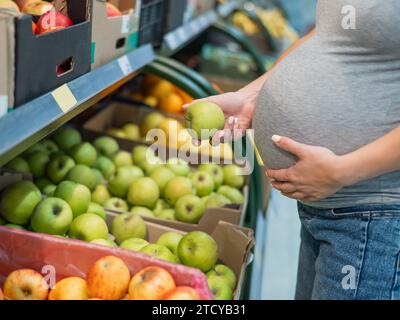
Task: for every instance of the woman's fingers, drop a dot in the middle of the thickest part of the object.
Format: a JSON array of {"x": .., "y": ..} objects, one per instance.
[
  {"x": 289, "y": 145},
  {"x": 284, "y": 187},
  {"x": 282, "y": 175},
  {"x": 296, "y": 196}
]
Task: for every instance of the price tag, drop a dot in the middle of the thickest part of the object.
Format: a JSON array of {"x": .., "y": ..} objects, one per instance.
[
  {"x": 125, "y": 65},
  {"x": 64, "y": 98}
]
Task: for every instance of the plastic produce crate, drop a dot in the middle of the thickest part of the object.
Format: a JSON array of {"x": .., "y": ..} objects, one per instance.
[{"x": 152, "y": 19}]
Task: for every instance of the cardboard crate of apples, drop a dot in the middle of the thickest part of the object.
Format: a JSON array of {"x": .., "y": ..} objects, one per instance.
[{"x": 108, "y": 278}]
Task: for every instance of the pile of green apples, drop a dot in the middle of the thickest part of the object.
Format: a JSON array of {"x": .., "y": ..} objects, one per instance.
[{"x": 121, "y": 181}]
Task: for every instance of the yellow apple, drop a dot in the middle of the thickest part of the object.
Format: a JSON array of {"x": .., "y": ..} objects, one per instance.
[
  {"x": 25, "y": 284},
  {"x": 72, "y": 288}
]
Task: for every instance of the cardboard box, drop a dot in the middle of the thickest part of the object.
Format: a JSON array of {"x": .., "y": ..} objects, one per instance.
[
  {"x": 39, "y": 58},
  {"x": 7, "y": 59},
  {"x": 114, "y": 36},
  {"x": 232, "y": 213}
]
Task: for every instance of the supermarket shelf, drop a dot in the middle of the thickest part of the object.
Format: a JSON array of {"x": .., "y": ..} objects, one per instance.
[
  {"x": 33, "y": 121},
  {"x": 177, "y": 39},
  {"x": 226, "y": 9}
]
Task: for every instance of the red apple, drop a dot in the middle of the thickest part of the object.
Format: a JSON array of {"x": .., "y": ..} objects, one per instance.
[
  {"x": 37, "y": 8},
  {"x": 151, "y": 283},
  {"x": 51, "y": 20},
  {"x": 112, "y": 11},
  {"x": 33, "y": 27},
  {"x": 25, "y": 284},
  {"x": 182, "y": 293}
]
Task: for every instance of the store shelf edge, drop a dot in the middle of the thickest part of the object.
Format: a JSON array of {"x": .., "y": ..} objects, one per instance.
[
  {"x": 226, "y": 9},
  {"x": 33, "y": 121}
]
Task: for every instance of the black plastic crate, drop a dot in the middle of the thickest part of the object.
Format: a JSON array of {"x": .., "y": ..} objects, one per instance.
[
  {"x": 152, "y": 21},
  {"x": 175, "y": 14}
]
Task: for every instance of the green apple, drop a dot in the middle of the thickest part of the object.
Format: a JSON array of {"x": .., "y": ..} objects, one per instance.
[
  {"x": 84, "y": 153},
  {"x": 220, "y": 289},
  {"x": 57, "y": 154},
  {"x": 66, "y": 138},
  {"x": 2, "y": 221},
  {"x": 15, "y": 226},
  {"x": 162, "y": 176},
  {"x": 151, "y": 164},
  {"x": 143, "y": 192},
  {"x": 99, "y": 176},
  {"x": 76, "y": 195},
  {"x": 58, "y": 168},
  {"x": 119, "y": 182},
  {"x": 171, "y": 241},
  {"x": 101, "y": 195},
  {"x": 150, "y": 122},
  {"x": 134, "y": 244},
  {"x": 84, "y": 175},
  {"x": 128, "y": 225},
  {"x": 122, "y": 159},
  {"x": 37, "y": 162},
  {"x": 177, "y": 188},
  {"x": 142, "y": 211},
  {"x": 178, "y": 166},
  {"x": 132, "y": 131},
  {"x": 199, "y": 250},
  {"x": 116, "y": 204},
  {"x": 215, "y": 171},
  {"x": 140, "y": 154},
  {"x": 88, "y": 227},
  {"x": 34, "y": 148},
  {"x": 42, "y": 183},
  {"x": 49, "y": 190},
  {"x": 203, "y": 183},
  {"x": 52, "y": 216},
  {"x": 167, "y": 214},
  {"x": 159, "y": 252},
  {"x": 205, "y": 119},
  {"x": 97, "y": 209},
  {"x": 233, "y": 176},
  {"x": 105, "y": 242},
  {"x": 18, "y": 164},
  {"x": 189, "y": 208},
  {"x": 18, "y": 201},
  {"x": 223, "y": 272},
  {"x": 233, "y": 194},
  {"x": 217, "y": 201},
  {"x": 118, "y": 133},
  {"x": 160, "y": 206},
  {"x": 49, "y": 146},
  {"x": 106, "y": 146},
  {"x": 105, "y": 165}
]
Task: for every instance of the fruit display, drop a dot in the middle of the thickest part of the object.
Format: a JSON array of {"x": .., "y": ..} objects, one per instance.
[{"x": 108, "y": 278}]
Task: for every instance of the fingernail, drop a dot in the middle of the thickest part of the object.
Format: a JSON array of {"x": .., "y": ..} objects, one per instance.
[
  {"x": 276, "y": 138},
  {"x": 185, "y": 106}
]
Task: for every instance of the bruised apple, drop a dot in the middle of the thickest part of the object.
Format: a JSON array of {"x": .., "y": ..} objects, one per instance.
[
  {"x": 72, "y": 288},
  {"x": 51, "y": 20},
  {"x": 112, "y": 11},
  {"x": 182, "y": 293},
  {"x": 25, "y": 284},
  {"x": 151, "y": 283},
  {"x": 108, "y": 279}
]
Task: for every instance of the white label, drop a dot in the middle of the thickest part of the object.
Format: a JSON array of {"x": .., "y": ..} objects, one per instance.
[
  {"x": 3, "y": 105},
  {"x": 138, "y": 8},
  {"x": 126, "y": 24},
  {"x": 125, "y": 65},
  {"x": 64, "y": 98}
]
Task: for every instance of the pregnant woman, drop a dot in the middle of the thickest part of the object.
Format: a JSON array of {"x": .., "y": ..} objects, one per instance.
[{"x": 326, "y": 121}]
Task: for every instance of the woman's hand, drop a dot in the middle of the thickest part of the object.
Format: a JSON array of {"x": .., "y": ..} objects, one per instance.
[
  {"x": 238, "y": 108},
  {"x": 317, "y": 174}
]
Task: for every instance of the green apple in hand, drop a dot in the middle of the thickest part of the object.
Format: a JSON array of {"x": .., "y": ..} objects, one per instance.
[
  {"x": 84, "y": 153},
  {"x": 88, "y": 227},
  {"x": 233, "y": 176},
  {"x": 134, "y": 244},
  {"x": 189, "y": 208},
  {"x": 142, "y": 211},
  {"x": 159, "y": 252},
  {"x": 167, "y": 214},
  {"x": 105, "y": 165},
  {"x": 84, "y": 175},
  {"x": 18, "y": 164},
  {"x": 143, "y": 192},
  {"x": 177, "y": 188},
  {"x": 171, "y": 241},
  {"x": 215, "y": 171},
  {"x": 106, "y": 146},
  {"x": 128, "y": 225},
  {"x": 52, "y": 216},
  {"x": 233, "y": 194},
  {"x": 162, "y": 176},
  {"x": 199, "y": 250},
  {"x": 119, "y": 182},
  {"x": 37, "y": 162},
  {"x": 105, "y": 242},
  {"x": 220, "y": 289},
  {"x": 58, "y": 168},
  {"x": 97, "y": 209},
  {"x": 223, "y": 272},
  {"x": 18, "y": 201},
  {"x": 203, "y": 183},
  {"x": 116, "y": 204},
  {"x": 122, "y": 159},
  {"x": 178, "y": 166},
  {"x": 76, "y": 195},
  {"x": 66, "y": 138},
  {"x": 101, "y": 195}
]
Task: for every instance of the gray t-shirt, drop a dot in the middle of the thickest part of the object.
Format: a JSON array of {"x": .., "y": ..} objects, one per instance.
[{"x": 340, "y": 90}]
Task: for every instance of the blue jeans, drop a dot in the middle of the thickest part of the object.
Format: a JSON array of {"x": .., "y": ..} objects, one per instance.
[{"x": 351, "y": 253}]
